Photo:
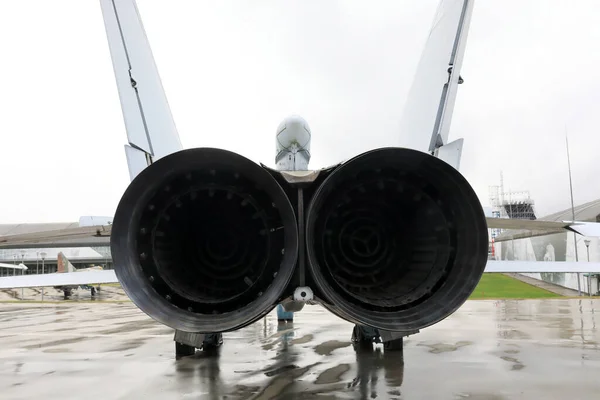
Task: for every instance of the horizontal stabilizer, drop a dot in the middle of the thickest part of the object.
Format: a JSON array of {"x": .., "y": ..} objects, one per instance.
[
  {"x": 66, "y": 279},
  {"x": 541, "y": 266},
  {"x": 539, "y": 228},
  {"x": 585, "y": 228},
  {"x": 100, "y": 235},
  {"x": 527, "y": 224}
]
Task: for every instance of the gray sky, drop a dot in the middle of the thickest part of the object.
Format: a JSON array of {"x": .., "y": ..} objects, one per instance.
[{"x": 232, "y": 71}]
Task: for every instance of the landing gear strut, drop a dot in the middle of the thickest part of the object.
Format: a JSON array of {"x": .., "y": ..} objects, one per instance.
[
  {"x": 67, "y": 293},
  {"x": 186, "y": 343},
  {"x": 394, "y": 345},
  {"x": 364, "y": 336},
  {"x": 184, "y": 350}
]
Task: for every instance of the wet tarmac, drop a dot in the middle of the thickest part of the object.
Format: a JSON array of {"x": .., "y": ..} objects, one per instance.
[{"x": 527, "y": 349}]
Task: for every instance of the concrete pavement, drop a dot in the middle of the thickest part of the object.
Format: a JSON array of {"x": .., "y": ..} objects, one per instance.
[{"x": 528, "y": 349}]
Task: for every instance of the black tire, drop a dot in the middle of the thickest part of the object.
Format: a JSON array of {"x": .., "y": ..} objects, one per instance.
[
  {"x": 356, "y": 335},
  {"x": 93, "y": 290},
  {"x": 394, "y": 345},
  {"x": 184, "y": 350},
  {"x": 212, "y": 341},
  {"x": 359, "y": 342}
]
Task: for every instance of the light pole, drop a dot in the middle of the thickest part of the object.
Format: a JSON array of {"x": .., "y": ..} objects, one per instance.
[
  {"x": 589, "y": 278},
  {"x": 43, "y": 254},
  {"x": 23, "y": 270},
  {"x": 37, "y": 262},
  {"x": 587, "y": 245},
  {"x": 23, "y": 257},
  {"x": 572, "y": 211}
]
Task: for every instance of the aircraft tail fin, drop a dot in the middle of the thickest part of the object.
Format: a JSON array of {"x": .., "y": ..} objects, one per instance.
[
  {"x": 150, "y": 127},
  {"x": 63, "y": 264},
  {"x": 427, "y": 114}
]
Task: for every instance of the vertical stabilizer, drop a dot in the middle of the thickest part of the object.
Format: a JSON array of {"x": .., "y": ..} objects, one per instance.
[
  {"x": 63, "y": 264},
  {"x": 151, "y": 131},
  {"x": 428, "y": 112}
]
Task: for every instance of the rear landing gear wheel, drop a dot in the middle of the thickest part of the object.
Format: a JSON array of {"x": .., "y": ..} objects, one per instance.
[
  {"x": 183, "y": 350},
  {"x": 396, "y": 345},
  {"x": 363, "y": 337},
  {"x": 212, "y": 341}
]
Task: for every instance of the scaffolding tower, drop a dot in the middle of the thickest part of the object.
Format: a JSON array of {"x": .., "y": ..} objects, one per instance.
[{"x": 510, "y": 204}]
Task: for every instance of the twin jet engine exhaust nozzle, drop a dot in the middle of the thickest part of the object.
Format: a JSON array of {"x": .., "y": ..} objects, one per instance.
[{"x": 205, "y": 240}]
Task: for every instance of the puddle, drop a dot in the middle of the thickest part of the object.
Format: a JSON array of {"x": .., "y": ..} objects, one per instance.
[
  {"x": 513, "y": 334},
  {"x": 57, "y": 350},
  {"x": 128, "y": 345},
  {"x": 55, "y": 343},
  {"x": 437, "y": 348},
  {"x": 130, "y": 327},
  {"x": 302, "y": 340},
  {"x": 325, "y": 348},
  {"x": 517, "y": 365},
  {"x": 279, "y": 370},
  {"x": 332, "y": 375}
]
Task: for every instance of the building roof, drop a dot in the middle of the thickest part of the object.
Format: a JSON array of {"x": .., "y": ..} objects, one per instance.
[
  {"x": 86, "y": 220},
  {"x": 19, "y": 229},
  {"x": 588, "y": 212}
]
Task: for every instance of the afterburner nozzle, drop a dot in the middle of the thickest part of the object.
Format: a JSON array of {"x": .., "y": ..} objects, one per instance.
[
  {"x": 204, "y": 240},
  {"x": 396, "y": 239}
]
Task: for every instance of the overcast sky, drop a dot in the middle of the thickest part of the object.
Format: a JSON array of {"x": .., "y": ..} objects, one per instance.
[{"x": 233, "y": 70}]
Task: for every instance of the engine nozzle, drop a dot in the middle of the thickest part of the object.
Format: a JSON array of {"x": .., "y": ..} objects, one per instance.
[
  {"x": 396, "y": 239},
  {"x": 204, "y": 240}
]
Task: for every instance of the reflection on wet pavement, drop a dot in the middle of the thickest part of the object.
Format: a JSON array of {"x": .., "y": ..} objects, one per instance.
[{"x": 486, "y": 350}]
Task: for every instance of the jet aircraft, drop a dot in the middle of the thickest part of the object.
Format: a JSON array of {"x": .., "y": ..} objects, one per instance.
[
  {"x": 206, "y": 241},
  {"x": 65, "y": 266}
]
